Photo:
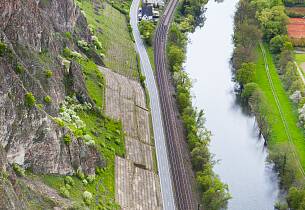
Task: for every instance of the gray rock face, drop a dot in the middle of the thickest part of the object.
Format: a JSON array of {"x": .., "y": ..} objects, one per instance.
[{"x": 33, "y": 30}]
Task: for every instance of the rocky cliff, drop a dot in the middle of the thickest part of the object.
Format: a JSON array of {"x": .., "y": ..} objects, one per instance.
[{"x": 33, "y": 34}]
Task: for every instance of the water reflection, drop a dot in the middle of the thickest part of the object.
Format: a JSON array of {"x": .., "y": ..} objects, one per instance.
[{"x": 235, "y": 141}]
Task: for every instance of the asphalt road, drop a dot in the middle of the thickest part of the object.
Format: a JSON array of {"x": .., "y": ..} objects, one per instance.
[{"x": 159, "y": 132}]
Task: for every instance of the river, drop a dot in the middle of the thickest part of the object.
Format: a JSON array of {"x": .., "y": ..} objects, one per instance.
[{"x": 235, "y": 142}]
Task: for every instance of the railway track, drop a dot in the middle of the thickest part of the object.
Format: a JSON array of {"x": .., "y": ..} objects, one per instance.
[{"x": 184, "y": 195}]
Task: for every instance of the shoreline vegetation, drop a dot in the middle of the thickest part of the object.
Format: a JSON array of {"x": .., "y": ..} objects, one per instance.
[
  {"x": 271, "y": 87},
  {"x": 214, "y": 194}
]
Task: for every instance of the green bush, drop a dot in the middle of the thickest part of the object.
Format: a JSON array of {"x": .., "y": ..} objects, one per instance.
[
  {"x": 87, "y": 196},
  {"x": 63, "y": 191},
  {"x": 80, "y": 174},
  {"x": 2, "y": 48},
  {"x": 67, "y": 139},
  {"x": 18, "y": 170},
  {"x": 19, "y": 69},
  {"x": 48, "y": 73},
  {"x": 68, "y": 35},
  {"x": 91, "y": 178},
  {"x": 83, "y": 44},
  {"x": 59, "y": 121},
  {"x": 30, "y": 99},
  {"x": 47, "y": 99},
  {"x": 69, "y": 180}
]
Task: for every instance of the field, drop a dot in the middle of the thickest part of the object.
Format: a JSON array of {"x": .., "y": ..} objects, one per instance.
[
  {"x": 296, "y": 28},
  {"x": 278, "y": 135},
  {"x": 295, "y": 11},
  {"x": 110, "y": 26}
]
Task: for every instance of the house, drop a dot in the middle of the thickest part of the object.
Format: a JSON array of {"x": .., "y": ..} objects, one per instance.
[
  {"x": 154, "y": 3},
  {"x": 147, "y": 12}
]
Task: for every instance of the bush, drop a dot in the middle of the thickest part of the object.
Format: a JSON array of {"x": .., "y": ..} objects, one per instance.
[
  {"x": 63, "y": 191},
  {"x": 48, "y": 73},
  {"x": 2, "y": 48},
  {"x": 59, "y": 121},
  {"x": 47, "y": 99},
  {"x": 248, "y": 91},
  {"x": 246, "y": 73},
  {"x": 80, "y": 174},
  {"x": 277, "y": 43},
  {"x": 83, "y": 44},
  {"x": 68, "y": 35},
  {"x": 29, "y": 99},
  {"x": 87, "y": 196},
  {"x": 85, "y": 182},
  {"x": 67, "y": 139},
  {"x": 91, "y": 178},
  {"x": 147, "y": 29},
  {"x": 69, "y": 54},
  {"x": 97, "y": 43},
  {"x": 69, "y": 180},
  {"x": 296, "y": 198},
  {"x": 18, "y": 170},
  {"x": 19, "y": 69}
]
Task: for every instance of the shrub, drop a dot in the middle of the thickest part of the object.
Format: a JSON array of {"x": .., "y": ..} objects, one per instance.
[
  {"x": 85, "y": 182},
  {"x": 277, "y": 43},
  {"x": 47, "y": 99},
  {"x": 18, "y": 170},
  {"x": 67, "y": 53},
  {"x": 67, "y": 139},
  {"x": 69, "y": 180},
  {"x": 30, "y": 99},
  {"x": 91, "y": 178},
  {"x": 63, "y": 191},
  {"x": 68, "y": 35},
  {"x": 248, "y": 91},
  {"x": 19, "y": 69},
  {"x": 2, "y": 48},
  {"x": 97, "y": 43},
  {"x": 59, "y": 121},
  {"x": 80, "y": 174},
  {"x": 48, "y": 73},
  {"x": 87, "y": 196},
  {"x": 83, "y": 44}
]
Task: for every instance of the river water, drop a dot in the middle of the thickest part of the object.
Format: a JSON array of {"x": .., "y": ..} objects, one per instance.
[{"x": 235, "y": 142}]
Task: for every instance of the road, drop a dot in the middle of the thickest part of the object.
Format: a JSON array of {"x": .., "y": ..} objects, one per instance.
[
  {"x": 158, "y": 128},
  {"x": 177, "y": 147}
]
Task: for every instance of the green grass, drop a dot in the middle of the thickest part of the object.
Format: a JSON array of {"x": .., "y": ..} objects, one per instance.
[
  {"x": 110, "y": 26},
  {"x": 150, "y": 52},
  {"x": 109, "y": 141},
  {"x": 278, "y": 135},
  {"x": 299, "y": 58},
  {"x": 94, "y": 81}
]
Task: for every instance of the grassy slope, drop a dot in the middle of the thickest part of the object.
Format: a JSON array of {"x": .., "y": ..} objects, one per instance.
[
  {"x": 278, "y": 134},
  {"x": 300, "y": 58},
  {"x": 110, "y": 27},
  {"x": 109, "y": 141},
  {"x": 94, "y": 82}
]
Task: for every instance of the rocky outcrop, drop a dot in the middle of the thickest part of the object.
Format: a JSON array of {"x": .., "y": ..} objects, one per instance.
[{"x": 34, "y": 33}]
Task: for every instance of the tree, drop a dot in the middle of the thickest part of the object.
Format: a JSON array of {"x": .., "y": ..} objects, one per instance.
[
  {"x": 248, "y": 90},
  {"x": 296, "y": 198},
  {"x": 246, "y": 73},
  {"x": 273, "y": 21},
  {"x": 175, "y": 56},
  {"x": 147, "y": 29},
  {"x": 277, "y": 43}
]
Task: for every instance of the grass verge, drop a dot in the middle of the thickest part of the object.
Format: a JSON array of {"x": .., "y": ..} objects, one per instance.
[{"x": 278, "y": 135}]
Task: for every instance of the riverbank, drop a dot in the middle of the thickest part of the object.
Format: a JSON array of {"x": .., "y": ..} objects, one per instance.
[
  {"x": 213, "y": 194},
  {"x": 271, "y": 86}
]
